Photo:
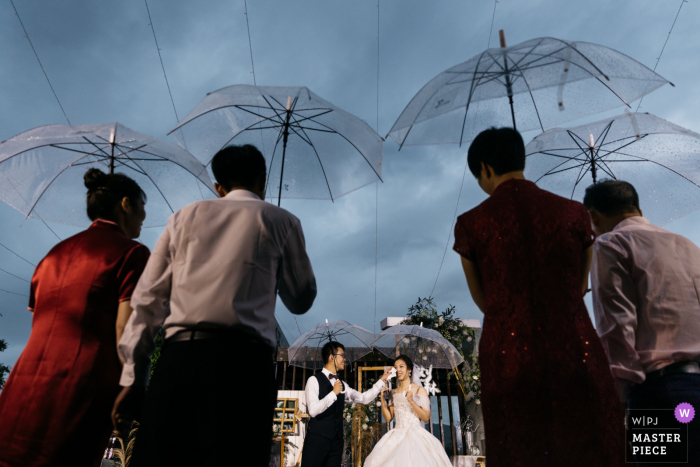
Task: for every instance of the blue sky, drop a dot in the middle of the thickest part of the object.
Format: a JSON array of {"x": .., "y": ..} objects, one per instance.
[{"x": 103, "y": 64}]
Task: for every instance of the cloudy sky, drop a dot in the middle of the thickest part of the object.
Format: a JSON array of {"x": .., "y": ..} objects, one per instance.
[{"x": 102, "y": 61}]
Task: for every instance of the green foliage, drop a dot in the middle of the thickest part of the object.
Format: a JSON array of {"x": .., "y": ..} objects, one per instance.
[
  {"x": 4, "y": 369},
  {"x": 456, "y": 332},
  {"x": 451, "y": 328}
]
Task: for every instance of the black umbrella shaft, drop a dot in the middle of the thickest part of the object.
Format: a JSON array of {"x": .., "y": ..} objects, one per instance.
[
  {"x": 111, "y": 161},
  {"x": 593, "y": 168},
  {"x": 284, "y": 151},
  {"x": 509, "y": 90}
]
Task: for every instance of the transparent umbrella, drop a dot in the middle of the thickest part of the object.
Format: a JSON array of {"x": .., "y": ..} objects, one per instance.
[
  {"x": 660, "y": 159},
  {"x": 305, "y": 352},
  {"x": 536, "y": 84},
  {"x": 41, "y": 171},
  {"x": 426, "y": 347},
  {"x": 313, "y": 149}
]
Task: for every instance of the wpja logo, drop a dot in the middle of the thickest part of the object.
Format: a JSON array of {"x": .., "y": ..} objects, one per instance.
[{"x": 659, "y": 435}]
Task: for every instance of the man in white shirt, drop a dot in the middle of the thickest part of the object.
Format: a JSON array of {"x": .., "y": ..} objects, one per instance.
[
  {"x": 326, "y": 396},
  {"x": 646, "y": 300},
  {"x": 212, "y": 281}
]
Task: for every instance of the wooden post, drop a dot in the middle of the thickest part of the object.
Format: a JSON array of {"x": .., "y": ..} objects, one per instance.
[
  {"x": 439, "y": 401},
  {"x": 284, "y": 377},
  {"x": 452, "y": 423},
  {"x": 282, "y": 453},
  {"x": 294, "y": 377},
  {"x": 502, "y": 36}
]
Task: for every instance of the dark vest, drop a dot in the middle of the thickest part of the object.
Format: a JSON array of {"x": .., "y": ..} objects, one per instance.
[{"x": 328, "y": 424}]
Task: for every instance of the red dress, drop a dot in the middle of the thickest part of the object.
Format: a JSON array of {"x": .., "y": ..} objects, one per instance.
[
  {"x": 547, "y": 392},
  {"x": 55, "y": 407}
]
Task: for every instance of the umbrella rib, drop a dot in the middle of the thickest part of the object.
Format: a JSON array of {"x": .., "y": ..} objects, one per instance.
[
  {"x": 50, "y": 183},
  {"x": 581, "y": 174},
  {"x": 584, "y": 57},
  {"x": 353, "y": 145},
  {"x": 564, "y": 170},
  {"x": 533, "y": 99},
  {"x": 556, "y": 167},
  {"x": 240, "y": 107},
  {"x": 321, "y": 164},
  {"x": 570, "y": 158},
  {"x": 272, "y": 160},
  {"x": 469, "y": 100},
  {"x": 152, "y": 181}
]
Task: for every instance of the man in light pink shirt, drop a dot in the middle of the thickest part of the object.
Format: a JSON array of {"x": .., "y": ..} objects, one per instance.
[{"x": 646, "y": 300}]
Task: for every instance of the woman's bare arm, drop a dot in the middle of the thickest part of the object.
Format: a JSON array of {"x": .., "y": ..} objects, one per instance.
[
  {"x": 586, "y": 257},
  {"x": 123, "y": 314},
  {"x": 423, "y": 413},
  {"x": 471, "y": 271},
  {"x": 387, "y": 412}
]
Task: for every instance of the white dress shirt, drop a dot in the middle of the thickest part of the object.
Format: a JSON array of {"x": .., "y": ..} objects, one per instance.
[
  {"x": 646, "y": 299},
  {"x": 219, "y": 263},
  {"x": 316, "y": 406}
]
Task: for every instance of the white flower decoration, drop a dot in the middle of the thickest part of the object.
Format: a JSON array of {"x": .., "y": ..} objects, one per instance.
[
  {"x": 348, "y": 418},
  {"x": 469, "y": 339},
  {"x": 367, "y": 419},
  {"x": 425, "y": 357},
  {"x": 478, "y": 402},
  {"x": 364, "y": 426}
]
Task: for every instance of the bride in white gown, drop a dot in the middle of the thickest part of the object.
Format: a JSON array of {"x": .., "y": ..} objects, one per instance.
[{"x": 409, "y": 443}]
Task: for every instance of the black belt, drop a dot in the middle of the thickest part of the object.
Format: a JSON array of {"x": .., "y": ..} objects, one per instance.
[
  {"x": 673, "y": 369},
  {"x": 196, "y": 334}
]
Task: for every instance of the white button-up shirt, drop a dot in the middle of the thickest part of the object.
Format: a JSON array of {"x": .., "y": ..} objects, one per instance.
[
  {"x": 646, "y": 299},
  {"x": 316, "y": 406},
  {"x": 219, "y": 263}
]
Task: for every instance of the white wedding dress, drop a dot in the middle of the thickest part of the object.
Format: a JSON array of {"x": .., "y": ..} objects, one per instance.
[{"x": 409, "y": 443}]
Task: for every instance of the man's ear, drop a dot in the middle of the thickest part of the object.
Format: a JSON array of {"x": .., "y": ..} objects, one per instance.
[
  {"x": 220, "y": 190},
  {"x": 487, "y": 169}
]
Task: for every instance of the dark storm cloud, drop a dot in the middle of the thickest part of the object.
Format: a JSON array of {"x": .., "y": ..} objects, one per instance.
[{"x": 103, "y": 64}]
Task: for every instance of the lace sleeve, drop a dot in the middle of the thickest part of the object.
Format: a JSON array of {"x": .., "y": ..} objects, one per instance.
[{"x": 422, "y": 401}]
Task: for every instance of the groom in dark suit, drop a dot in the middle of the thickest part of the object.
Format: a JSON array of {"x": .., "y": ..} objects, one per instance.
[{"x": 326, "y": 396}]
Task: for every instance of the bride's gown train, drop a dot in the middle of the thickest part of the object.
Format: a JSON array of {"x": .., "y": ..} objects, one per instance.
[{"x": 409, "y": 443}]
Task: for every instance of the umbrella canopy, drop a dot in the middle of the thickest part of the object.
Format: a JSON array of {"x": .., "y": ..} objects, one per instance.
[
  {"x": 313, "y": 149},
  {"x": 426, "y": 347},
  {"x": 660, "y": 159},
  {"x": 536, "y": 84},
  {"x": 305, "y": 352},
  {"x": 41, "y": 171}
]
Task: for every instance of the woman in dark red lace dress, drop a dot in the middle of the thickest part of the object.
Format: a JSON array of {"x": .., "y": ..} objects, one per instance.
[
  {"x": 547, "y": 393},
  {"x": 55, "y": 407}
]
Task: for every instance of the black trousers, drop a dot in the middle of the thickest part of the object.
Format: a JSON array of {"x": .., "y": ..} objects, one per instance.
[
  {"x": 210, "y": 403},
  {"x": 322, "y": 452}
]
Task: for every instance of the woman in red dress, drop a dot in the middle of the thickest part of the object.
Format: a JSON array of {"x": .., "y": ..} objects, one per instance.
[
  {"x": 548, "y": 396},
  {"x": 55, "y": 407}
]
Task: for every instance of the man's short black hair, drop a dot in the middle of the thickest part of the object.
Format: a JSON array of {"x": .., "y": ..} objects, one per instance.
[
  {"x": 501, "y": 148},
  {"x": 238, "y": 166},
  {"x": 329, "y": 349},
  {"x": 612, "y": 198}
]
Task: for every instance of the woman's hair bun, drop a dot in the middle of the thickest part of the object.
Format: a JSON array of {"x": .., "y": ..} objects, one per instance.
[{"x": 94, "y": 179}]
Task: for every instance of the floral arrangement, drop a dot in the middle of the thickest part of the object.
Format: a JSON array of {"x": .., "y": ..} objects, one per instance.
[{"x": 425, "y": 312}]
